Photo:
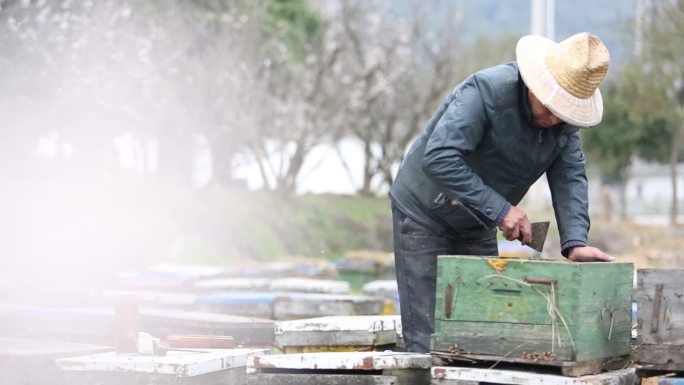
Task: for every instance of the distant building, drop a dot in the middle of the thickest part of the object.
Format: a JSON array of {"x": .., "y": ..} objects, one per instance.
[
  {"x": 649, "y": 189},
  {"x": 648, "y": 194}
]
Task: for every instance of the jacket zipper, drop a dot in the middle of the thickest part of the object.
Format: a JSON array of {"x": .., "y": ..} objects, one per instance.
[{"x": 540, "y": 136}]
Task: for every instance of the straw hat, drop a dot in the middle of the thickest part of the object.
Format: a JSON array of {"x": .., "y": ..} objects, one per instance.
[{"x": 565, "y": 76}]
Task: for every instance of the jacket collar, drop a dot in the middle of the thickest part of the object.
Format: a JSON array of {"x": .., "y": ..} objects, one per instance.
[{"x": 524, "y": 104}]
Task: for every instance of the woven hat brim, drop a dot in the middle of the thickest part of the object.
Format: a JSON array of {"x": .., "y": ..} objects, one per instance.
[{"x": 530, "y": 55}]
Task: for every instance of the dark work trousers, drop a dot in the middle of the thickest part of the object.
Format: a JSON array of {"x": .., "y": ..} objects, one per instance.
[{"x": 415, "y": 254}]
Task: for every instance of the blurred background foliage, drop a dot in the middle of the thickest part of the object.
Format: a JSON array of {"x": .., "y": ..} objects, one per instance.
[{"x": 127, "y": 125}]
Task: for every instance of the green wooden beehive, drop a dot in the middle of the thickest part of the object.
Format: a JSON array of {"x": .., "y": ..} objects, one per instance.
[{"x": 548, "y": 312}]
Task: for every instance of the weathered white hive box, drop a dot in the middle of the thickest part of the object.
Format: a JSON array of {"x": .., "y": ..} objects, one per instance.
[{"x": 338, "y": 333}]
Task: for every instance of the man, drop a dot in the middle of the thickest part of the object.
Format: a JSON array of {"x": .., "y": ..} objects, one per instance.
[{"x": 491, "y": 139}]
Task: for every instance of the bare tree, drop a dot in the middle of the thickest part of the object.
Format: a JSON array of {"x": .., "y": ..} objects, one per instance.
[
  {"x": 305, "y": 99},
  {"x": 400, "y": 68}
]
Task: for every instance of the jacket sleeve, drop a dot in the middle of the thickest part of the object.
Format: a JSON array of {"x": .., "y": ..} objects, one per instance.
[
  {"x": 568, "y": 183},
  {"x": 458, "y": 132}
]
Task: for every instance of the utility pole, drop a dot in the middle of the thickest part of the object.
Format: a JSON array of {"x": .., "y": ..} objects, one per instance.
[
  {"x": 551, "y": 19},
  {"x": 639, "y": 19},
  {"x": 543, "y": 18}
]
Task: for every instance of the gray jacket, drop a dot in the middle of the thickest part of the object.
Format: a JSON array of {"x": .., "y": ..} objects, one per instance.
[{"x": 479, "y": 154}]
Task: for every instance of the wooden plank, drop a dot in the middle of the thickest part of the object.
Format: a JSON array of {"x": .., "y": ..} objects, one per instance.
[
  {"x": 369, "y": 323},
  {"x": 244, "y": 330},
  {"x": 289, "y": 309},
  {"x": 168, "y": 299},
  {"x": 500, "y": 339},
  {"x": 255, "y": 304},
  {"x": 336, "y": 348},
  {"x": 337, "y": 338},
  {"x": 232, "y": 284},
  {"x": 512, "y": 341},
  {"x": 318, "y": 379},
  {"x": 86, "y": 325},
  {"x": 341, "y": 377},
  {"x": 32, "y": 361},
  {"x": 235, "y": 376},
  {"x": 310, "y": 285},
  {"x": 179, "y": 363},
  {"x": 338, "y": 331},
  {"x": 567, "y": 368},
  {"x": 660, "y": 357},
  {"x": 452, "y": 375},
  {"x": 310, "y": 305},
  {"x": 96, "y": 325},
  {"x": 26, "y": 348},
  {"x": 194, "y": 341},
  {"x": 347, "y": 361},
  {"x": 386, "y": 288}
]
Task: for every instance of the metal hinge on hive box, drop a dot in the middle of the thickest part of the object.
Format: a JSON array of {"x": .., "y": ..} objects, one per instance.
[{"x": 576, "y": 316}]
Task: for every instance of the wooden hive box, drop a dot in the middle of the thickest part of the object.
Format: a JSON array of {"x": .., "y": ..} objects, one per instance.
[
  {"x": 338, "y": 334},
  {"x": 573, "y": 315},
  {"x": 660, "y": 318}
]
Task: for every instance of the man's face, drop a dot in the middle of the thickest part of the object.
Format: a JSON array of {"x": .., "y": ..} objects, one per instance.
[{"x": 542, "y": 117}]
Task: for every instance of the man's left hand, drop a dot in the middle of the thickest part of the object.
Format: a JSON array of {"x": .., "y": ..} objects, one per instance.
[{"x": 588, "y": 254}]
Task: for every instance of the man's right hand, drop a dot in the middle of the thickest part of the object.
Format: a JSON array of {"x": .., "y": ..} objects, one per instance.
[{"x": 516, "y": 226}]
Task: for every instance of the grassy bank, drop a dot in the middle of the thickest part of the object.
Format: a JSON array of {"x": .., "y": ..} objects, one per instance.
[{"x": 94, "y": 230}]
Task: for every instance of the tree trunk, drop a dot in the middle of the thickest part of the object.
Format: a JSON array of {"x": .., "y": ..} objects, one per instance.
[
  {"x": 289, "y": 186},
  {"x": 367, "y": 172},
  {"x": 262, "y": 162},
  {"x": 674, "y": 156}
]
